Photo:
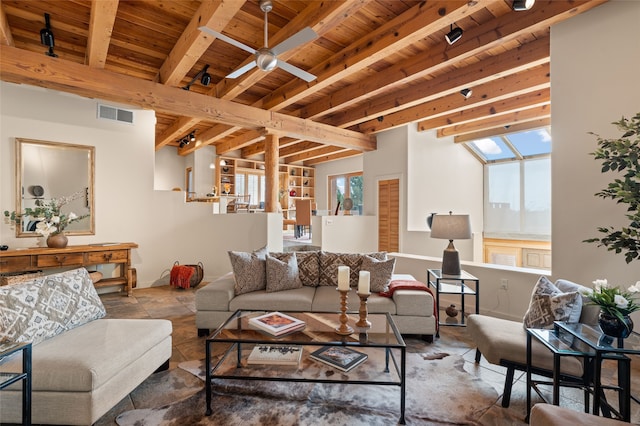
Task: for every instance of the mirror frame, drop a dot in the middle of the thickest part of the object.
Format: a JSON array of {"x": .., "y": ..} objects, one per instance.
[{"x": 19, "y": 170}]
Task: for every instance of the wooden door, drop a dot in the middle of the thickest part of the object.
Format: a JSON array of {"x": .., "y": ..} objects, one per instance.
[{"x": 389, "y": 215}]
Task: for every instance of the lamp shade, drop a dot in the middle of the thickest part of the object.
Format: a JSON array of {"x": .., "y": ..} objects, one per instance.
[{"x": 451, "y": 227}]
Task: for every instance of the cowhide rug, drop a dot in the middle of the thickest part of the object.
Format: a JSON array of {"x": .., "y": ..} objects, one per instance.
[{"x": 439, "y": 391}]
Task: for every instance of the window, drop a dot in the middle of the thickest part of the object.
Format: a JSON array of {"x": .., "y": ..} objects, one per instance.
[
  {"x": 346, "y": 186},
  {"x": 517, "y": 207},
  {"x": 251, "y": 183}
]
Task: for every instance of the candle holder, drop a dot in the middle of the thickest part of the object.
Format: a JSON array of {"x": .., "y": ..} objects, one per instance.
[
  {"x": 344, "y": 329},
  {"x": 363, "y": 322}
]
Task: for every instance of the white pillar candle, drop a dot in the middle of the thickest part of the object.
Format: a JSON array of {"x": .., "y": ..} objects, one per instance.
[
  {"x": 363, "y": 283},
  {"x": 343, "y": 278}
]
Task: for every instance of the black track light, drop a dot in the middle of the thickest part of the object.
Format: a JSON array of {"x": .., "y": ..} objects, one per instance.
[
  {"x": 520, "y": 5},
  {"x": 206, "y": 77},
  {"x": 192, "y": 136},
  {"x": 466, "y": 93},
  {"x": 453, "y": 35},
  {"x": 203, "y": 75},
  {"x": 46, "y": 36}
]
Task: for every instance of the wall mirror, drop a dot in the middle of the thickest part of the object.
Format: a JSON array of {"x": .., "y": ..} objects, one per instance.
[{"x": 47, "y": 170}]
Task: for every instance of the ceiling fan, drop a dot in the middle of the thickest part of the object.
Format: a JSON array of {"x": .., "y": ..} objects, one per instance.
[{"x": 267, "y": 58}]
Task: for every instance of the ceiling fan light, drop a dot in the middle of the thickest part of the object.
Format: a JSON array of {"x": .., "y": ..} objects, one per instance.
[
  {"x": 266, "y": 60},
  {"x": 519, "y": 5},
  {"x": 453, "y": 35}
]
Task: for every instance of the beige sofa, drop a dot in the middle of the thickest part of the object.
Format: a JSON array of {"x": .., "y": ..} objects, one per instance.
[
  {"x": 82, "y": 364},
  {"x": 411, "y": 310}
]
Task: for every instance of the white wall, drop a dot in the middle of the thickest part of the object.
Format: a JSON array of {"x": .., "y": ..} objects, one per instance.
[
  {"x": 346, "y": 234},
  {"x": 595, "y": 61},
  {"x": 128, "y": 209},
  {"x": 169, "y": 169}
]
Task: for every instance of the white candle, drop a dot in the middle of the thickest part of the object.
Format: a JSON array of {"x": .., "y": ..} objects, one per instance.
[
  {"x": 363, "y": 283},
  {"x": 343, "y": 278}
]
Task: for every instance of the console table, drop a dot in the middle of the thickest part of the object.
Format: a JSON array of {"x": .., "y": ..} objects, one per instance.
[{"x": 42, "y": 258}]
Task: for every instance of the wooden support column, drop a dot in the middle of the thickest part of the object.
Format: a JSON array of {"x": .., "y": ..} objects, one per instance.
[{"x": 271, "y": 160}]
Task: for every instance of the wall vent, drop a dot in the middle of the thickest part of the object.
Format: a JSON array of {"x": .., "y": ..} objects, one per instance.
[{"x": 107, "y": 112}]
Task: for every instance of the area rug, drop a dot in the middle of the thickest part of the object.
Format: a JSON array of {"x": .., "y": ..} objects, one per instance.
[{"x": 439, "y": 391}]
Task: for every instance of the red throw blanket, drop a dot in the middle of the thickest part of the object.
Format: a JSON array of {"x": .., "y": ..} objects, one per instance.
[
  {"x": 181, "y": 276},
  {"x": 411, "y": 285}
]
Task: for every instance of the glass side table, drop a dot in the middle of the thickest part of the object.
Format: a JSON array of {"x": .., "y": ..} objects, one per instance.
[
  {"x": 454, "y": 284},
  {"x": 9, "y": 378},
  {"x": 606, "y": 347}
]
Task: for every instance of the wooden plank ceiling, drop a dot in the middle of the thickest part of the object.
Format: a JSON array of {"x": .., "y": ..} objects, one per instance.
[{"x": 379, "y": 64}]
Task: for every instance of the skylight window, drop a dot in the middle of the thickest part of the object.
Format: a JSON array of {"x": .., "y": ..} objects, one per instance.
[{"x": 513, "y": 146}]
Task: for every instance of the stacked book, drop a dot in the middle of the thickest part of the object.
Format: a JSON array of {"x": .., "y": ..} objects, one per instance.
[
  {"x": 277, "y": 323},
  {"x": 275, "y": 354},
  {"x": 340, "y": 357}
]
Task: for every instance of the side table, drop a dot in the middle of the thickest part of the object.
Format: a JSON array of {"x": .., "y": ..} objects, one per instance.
[
  {"x": 454, "y": 284},
  {"x": 7, "y": 378}
]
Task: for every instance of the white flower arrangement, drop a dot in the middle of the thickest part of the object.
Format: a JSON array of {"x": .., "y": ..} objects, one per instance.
[{"x": 612, "y": 300}]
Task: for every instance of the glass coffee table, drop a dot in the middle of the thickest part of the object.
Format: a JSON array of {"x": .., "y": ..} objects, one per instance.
[{"x": 236, "y": 338}]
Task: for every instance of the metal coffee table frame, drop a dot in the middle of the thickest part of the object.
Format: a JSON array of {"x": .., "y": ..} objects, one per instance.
[{"x": 239, "y": 336}]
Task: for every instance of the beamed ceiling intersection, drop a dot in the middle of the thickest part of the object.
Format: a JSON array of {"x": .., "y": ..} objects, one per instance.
[{"x": 378, "y": 65}]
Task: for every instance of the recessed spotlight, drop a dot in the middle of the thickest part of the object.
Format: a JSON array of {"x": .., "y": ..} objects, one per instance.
[{"x": 466, "y": 93}]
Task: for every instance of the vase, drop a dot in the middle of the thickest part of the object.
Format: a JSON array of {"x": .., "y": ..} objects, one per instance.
[
  {"x": 452, "y": 311},
  {"x": 57, "y": 241},
  {"x": 612, "y": 326}
]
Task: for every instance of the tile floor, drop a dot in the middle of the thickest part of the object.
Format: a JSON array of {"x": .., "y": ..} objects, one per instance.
[{"x": 178, "y": 305}]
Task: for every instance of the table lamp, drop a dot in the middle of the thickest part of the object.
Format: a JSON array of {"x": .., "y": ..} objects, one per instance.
[{"x": 451, "y": 227}]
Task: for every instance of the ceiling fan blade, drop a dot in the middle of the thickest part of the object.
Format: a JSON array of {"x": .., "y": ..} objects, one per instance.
[
  {"x": 237, "y": 73},
  {"x": 301, "y": 37},
  {"x": 296, "y": 71},
  {"x": 227, "y": 39}
]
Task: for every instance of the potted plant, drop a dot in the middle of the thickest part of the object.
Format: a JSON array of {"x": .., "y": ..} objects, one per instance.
[
  {"x": 620, "y": 156},
  {"x": 51, "y": 221},
  {"x": 615, "y": 306}
]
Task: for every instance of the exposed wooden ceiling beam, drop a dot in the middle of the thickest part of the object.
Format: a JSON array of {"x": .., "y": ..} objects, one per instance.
[
  {"x": 413, "y": 25},
  {"x": 5, "y": 32},
  {"x": 241, "y": 141},
  {"x": 193, "y": 42},
  {"x": 298, "y": 148},
  {"x": 507, "y": 63},
  {"x": 103, "y": 16},
  {"x": 258, "y": 148},
  {"x": 503, "y": 130},
  {"x": 496, "y": 90},
  {"x": 331, "y": 157},
  {"x": 314, "y": 153},
  {"x": 19, "y": 66},
  {"x": 532, "y": 114},
  {"x": 516, "y": 103},
  {"x": 176, "y": 130}
]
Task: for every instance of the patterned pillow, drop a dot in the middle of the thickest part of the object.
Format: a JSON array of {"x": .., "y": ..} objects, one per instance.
[
  {"x": 381, "y": 272},
  {"x": 329, "y": 263},
  {"x": 308, "y": 266},
  {"x": 282, "y": 274},
  {"x": 36, "y": 310},
  {"x": 549, "y": 304},
  {"x": 249, "y": 270}
]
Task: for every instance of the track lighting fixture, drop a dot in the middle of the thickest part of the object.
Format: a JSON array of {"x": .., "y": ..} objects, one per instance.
[
  {"x": 203, "y": 75},
  {"x": 519, "y": 5},
  {"x": 466, "y": 93},
  {"x": 453, "y": 35},
  {"x": 191, "y": 137},
  {"x": 46, "y": 37}
]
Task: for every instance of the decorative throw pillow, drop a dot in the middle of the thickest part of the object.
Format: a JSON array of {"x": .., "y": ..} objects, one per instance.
[
  {"x": 381, "y": 272},
  {"x": 308, "y": 265},
  {"x": 282, "y": 274},
  {"x": 36, "y": 310},
  {"x": 329, "y": 263},
  {"x": 549, "y": 304},
  {"x": 249, "y": 270}
]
